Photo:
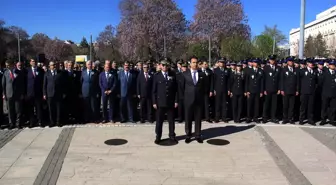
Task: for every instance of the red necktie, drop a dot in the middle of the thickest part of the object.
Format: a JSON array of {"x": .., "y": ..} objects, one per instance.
[{"x": 11, "y": 75}]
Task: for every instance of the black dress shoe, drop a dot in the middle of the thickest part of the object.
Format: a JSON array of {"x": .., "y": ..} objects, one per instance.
[
  {"x": 301, "y": 122},
  {"x": 123, "y": 121},
  {"x": 104, "y": 121},
  {"x": 323, "y": 122},
  {"x": 292, "y": 122},
  {"x": 285, "y": 121},
  {"x": 311, "y": 123},
  {"x": 199, "y": 140},
  {"x": 31, "y": 126},
  {"x": 11, "y": 127},
  {"x": 248, "y": 121},
  {"x": 216, "y": 121},
  {"x": 275, "y": 121},
  {"x": 188, "y": 140},
  {"x": 157, "y": 141},
  {"x": 173, "y": 140},
  {"x": 142, "y": 121},
  {"x": 256, "y": 121}
]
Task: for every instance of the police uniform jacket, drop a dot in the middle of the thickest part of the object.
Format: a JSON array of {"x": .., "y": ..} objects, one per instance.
[
  {"x": 289, "y": 81},
  {"x": 237, "y": 86},
  {"x": 164, "y": 92},
  {"x": 329, "y": 84},
  {"x": 308, "y": 81},
  {"x": 254, "y": 81},
  {"x": 221, "y": 79},
  {"x": 272, "y": 78}
]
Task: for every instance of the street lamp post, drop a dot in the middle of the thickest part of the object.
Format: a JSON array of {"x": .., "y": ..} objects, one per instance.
[
  {"x": 164, "y": 47},
  {"x": 91, "y": 48},
  {"x": 209, "y": 50},
  {"x": 273, "y": 44},
  {"x": 19, "y": 48},
  {"x": 302, "y": 28}
]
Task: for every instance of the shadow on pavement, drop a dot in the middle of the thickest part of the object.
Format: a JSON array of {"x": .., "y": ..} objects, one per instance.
[
  {"x": 115, "y": 142},
  {"x": 218, "y": 142},
  {"x": 214, "y": 132},
  {"x": 167, "y": 142}
]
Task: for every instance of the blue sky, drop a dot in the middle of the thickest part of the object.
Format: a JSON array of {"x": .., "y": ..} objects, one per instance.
[{"x": 73, "y": 19}]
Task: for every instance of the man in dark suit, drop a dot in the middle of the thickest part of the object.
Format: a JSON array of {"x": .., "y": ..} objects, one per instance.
[
  {"x": 90, "y": 93},
  {"x": 165, "y": 97},
  {"x": 72, "y": 103},
  {"x": 308, "y": 83},
  {"x": 221, "y": 78},
  {"x": 14, "y": 90},
  {"x": 329, "y": 94},
  {"x": 107, "y": 83},
  {"x": 254, "y": 87},
  {"x": 194, "y": 90},
  {"x": 35, "y": 76},
  {"x": 127, "y": 81},
  {"x": 272, "y": 76},
  {"x": 54, "y": 92},
  {"x": 144, "y": 91},
  {"x": 289, "y": 90}
]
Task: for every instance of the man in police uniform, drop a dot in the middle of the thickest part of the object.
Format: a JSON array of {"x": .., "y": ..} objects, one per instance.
[
  {"x": 221, "y": 78},
  {"x": 179, "y": 78},
  {"x": 329, "y": 94},
  {"x": 289, "y": 90},
  {"x": 208, "y": 89},
  {"x": 254, "y": 87},
  {"x": 308, "y": 84},
  {"x": 165, "y": 98},
  {"x": 271, "y": 80}
]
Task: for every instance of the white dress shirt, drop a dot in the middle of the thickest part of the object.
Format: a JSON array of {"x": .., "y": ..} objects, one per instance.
[{"x": 196, "y": 74}]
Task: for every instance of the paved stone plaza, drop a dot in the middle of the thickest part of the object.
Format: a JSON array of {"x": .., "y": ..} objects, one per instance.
[{"x": 126, "y": 155}]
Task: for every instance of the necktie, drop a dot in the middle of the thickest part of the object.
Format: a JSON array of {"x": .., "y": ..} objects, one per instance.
[
  {"x": 165, "y": 76},
  {"x": 11, "y": 75},
  {"x": 146, "y": 76},
  {"x": 194, "y": 77},
  {"x": 106, "y": 75},
  {"x": 126, "y": 75},
  {"x": 34, "y": 72},
  {"x": 332, "y": 72},
  {"x": 90, "y": 74}
]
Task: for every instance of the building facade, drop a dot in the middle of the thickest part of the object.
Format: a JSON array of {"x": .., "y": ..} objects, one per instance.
[{"x": 325, "y": 24}]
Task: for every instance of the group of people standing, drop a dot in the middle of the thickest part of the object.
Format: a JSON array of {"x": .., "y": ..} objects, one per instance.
[{"x": 184, "y": 91}]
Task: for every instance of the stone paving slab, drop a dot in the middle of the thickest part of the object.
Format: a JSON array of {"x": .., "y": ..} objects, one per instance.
[
  {"x": 316, "y": 161},
  {"x": 22, "y": 158},
  {"x": 140, "y": 161},
  {"x": 245, "y": 159}
]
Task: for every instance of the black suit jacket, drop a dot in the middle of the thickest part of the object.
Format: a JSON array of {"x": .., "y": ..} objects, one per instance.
[
  {"x": 54, "y": 86},
  {"x": 144, "y": 88},
  {"x": 73, "y": 83},
  {"x": 35, "y": 83},
  {"x": 164, "y": 92},
  {"x": 193, "y": 94}
]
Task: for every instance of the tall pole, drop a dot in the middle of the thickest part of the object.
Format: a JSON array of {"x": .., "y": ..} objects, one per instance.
[
  {"x": 164, "y": 47},
  {"x": 19, "y": 48},
  {"x": 209, "y": 50},
  {"x": 302, "y": 28},
  {"x": 91, "y": 48},
  {"x": 273, "y": 44}
]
